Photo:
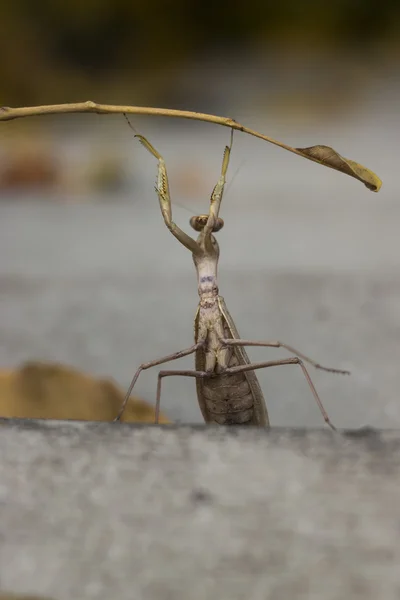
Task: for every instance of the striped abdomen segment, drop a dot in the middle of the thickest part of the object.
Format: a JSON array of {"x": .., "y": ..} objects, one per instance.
[{"x": 228, "y": 398}]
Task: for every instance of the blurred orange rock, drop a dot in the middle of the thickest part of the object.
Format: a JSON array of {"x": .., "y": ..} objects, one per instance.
[
  {"x": 52, "y": 391},
  {"x": 27, "y": 164}
]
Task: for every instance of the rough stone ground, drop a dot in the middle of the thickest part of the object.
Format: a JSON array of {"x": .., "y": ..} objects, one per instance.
[{"x": 117, "y": 511}]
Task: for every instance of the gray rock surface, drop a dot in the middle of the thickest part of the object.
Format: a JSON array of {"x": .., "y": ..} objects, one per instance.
[{"x": 160, "y": 513}]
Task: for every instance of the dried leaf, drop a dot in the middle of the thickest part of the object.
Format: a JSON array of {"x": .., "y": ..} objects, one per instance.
[{"x": 330, "y": 158}]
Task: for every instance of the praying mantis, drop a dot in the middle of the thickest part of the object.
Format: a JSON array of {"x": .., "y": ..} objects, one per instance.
[{"x": 228, "y": 390}]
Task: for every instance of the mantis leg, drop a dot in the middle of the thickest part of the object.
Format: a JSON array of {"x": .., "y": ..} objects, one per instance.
[
  {"x": 216, "y": 196},
  {"x": 277, "y": 363},
  {"x": 154, "y": 363},
  {"x": 181, "y": 373},
  {"x": 242, "y": 368},
  {"x": 233, "y": 342},
  {"x": 162, "y": 189}
]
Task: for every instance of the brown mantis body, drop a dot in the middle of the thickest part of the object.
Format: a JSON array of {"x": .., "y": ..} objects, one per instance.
[{"x": 227, "y": 387}]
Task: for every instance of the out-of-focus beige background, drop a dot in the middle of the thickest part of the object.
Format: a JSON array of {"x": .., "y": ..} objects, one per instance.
[{"x": 90, "y": 277}]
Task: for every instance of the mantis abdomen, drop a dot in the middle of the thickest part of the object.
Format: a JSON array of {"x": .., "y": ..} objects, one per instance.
[{"x": 230, "y": 399}]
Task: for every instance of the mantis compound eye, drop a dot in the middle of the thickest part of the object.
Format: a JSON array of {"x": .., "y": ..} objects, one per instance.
[{"x": 198, "y": 223}]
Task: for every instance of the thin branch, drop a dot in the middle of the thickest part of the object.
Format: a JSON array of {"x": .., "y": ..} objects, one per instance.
[{"x": 7, "y": 114}]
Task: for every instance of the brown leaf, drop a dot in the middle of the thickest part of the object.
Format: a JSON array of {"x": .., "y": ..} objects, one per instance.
[{"x": 330, "y": 158}]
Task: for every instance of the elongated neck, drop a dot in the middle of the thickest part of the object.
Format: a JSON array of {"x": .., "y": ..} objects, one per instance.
[{"x": 206, "y": 268}]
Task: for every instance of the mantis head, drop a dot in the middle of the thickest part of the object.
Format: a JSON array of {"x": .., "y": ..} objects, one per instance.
[
  {"x": 198, "y": 223},
  {"x": 206, "y": 241}
]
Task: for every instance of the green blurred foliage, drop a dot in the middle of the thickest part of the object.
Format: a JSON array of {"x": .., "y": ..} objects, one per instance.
[{"x": 57, "y": 51}]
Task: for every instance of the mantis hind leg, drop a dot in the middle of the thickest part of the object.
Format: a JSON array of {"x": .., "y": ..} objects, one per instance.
[
  {"x": 154, "y": 363},
  {"x": 286, "y": 361},
  {"x": 178, "y": 372},
  {"x": 240, "y": 342},
  {"x": 240, "y": 369}
]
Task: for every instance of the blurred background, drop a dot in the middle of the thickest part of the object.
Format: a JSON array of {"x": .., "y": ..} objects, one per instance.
[{"x": 89, "y": 276}]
